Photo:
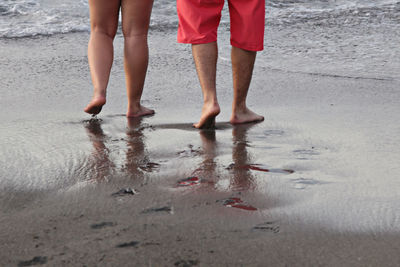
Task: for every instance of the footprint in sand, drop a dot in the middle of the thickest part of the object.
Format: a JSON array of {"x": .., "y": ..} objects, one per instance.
[
  {"x": 261, "y": 168},
  {"x": 186, "y": 263},
  {"x": 125, "y": 192},
  {"x": 168, "y": 209},
  {"x": 269, "y": 134},
  {"x": 269, "y": 227},
  {"x": 306, "y": 154},
  {"x": 38, "y": 260},
  {"x": 102, "y": 225},
  {"x": 303, "y": 183},
  {"x": 128, "y": 244}
]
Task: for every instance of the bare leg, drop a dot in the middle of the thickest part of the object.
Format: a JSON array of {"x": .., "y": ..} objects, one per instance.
[
  {"x": 135, "y": 25},
  {"x": 104, "y": 23},
  {"x": 205, "y": 57},
  {"x": 242, "y": 68}
]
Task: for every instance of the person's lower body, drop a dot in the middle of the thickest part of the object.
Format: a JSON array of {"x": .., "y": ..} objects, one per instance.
[
  {"x": 104, "y": 23},
  {"x": 247, "y": 36}
]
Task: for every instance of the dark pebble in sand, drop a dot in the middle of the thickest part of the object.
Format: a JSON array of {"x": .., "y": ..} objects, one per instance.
[
  {"x": 186, "y": 263},
  {"x": 274, "y": 132},
  {"x": 102, "y": 225},
  {"x": 150, "y": 166},
  {"x": 38, "y": 260},
  {"x": 129, "y": 244},
  {"x": 230, "y": 166},
  {"x": 235, "y": 202},
  {"x": 189, "y": 152},
  {"x": 93, "y": 119},
  {"x": 189, "y": 181},
  {"x": 154, "y": 210},
  {"x": 305, "y": 181},
  {"x": 125, "y": 191},
  {"x": 267, "y": 227}
]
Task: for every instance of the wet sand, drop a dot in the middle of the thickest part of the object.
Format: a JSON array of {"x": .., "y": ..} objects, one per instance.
[{"x": 314, "y": 184}]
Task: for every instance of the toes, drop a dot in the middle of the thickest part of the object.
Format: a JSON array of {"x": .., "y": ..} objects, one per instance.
[
  {"x": 206, "y": 123},
  {"x": 93, "y": 109}
]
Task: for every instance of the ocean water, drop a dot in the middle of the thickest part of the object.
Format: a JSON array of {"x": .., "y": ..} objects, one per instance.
[{"x": 22, "y": 18}]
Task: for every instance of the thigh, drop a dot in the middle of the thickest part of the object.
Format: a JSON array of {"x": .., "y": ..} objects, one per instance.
[
  {"x": 136, "y": 16},
  {"x": 247, "y": 23},
  {"x": 198, "y": 20},
  {"x": 104, "y": 15}
]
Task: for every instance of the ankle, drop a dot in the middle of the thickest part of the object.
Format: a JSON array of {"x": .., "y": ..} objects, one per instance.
[
  {"x": 99, "y": 93},
  {"x": 239, "y": 107},
  {"x": 134, "y": 105},
  {"x": 211, "y": 102}
]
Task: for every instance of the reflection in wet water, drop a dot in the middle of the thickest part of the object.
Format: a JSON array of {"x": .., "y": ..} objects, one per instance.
[
  {"x": 135, "y": 154},
  {"x": 106, "y": 159},
  {"x": 242, "y": 178},
  {"x": 136, "y": 160},
  {"x": 100, "y": 166},
  {"x": 208, "y": 170},
  {"x": 208, "y": 166},
  {"x": 208, "y": 161}
]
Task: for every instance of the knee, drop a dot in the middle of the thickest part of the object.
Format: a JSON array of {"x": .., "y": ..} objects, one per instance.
[
  {"x": 135, "y": 35},
  {"x": 135, "y": 32},
  {"x": 108, "y": 30}
]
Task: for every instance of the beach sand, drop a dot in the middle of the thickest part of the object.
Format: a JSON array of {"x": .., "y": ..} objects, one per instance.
[{"x": 318, "y": 178}]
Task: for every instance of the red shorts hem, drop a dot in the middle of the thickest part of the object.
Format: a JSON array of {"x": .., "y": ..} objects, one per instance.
[
  {"x": 197, "y": 41},
  {"x": 249, "y": 47}
]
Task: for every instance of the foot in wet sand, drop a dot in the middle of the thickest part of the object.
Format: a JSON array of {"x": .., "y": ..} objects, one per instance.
[
  {"x": 208, "y": 114},
  {"x": 245, "y": 116},
  {"x": 95, "y": 105},
  {"x": 139, "y": 112}
]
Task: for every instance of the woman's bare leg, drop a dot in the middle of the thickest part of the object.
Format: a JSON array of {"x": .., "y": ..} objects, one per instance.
[
  {"x": 104, "y": 24},
  {"x": 135, "y": 26}
]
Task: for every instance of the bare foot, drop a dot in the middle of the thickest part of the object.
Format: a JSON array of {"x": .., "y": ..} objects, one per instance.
[
  {"x": 95, "y": 105},
  {"x": 208, "y": 114},
  {"x": 245, "y": 116},
  {"x": 139, "y": 112}
]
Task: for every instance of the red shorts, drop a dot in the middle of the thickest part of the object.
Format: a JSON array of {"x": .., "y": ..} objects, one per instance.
[{"x": 199, "y": 20}]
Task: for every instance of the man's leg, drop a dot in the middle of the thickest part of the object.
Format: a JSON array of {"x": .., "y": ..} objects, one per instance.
[
  {"x": 135, "y": 25},
  {"x": 242, "y": 70},
  {"x": 205, "y": 57},
  {"x": 103, "y": 24},
  {"x": 247, "y": 37},
  {"x": 198, "y": 24}
]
